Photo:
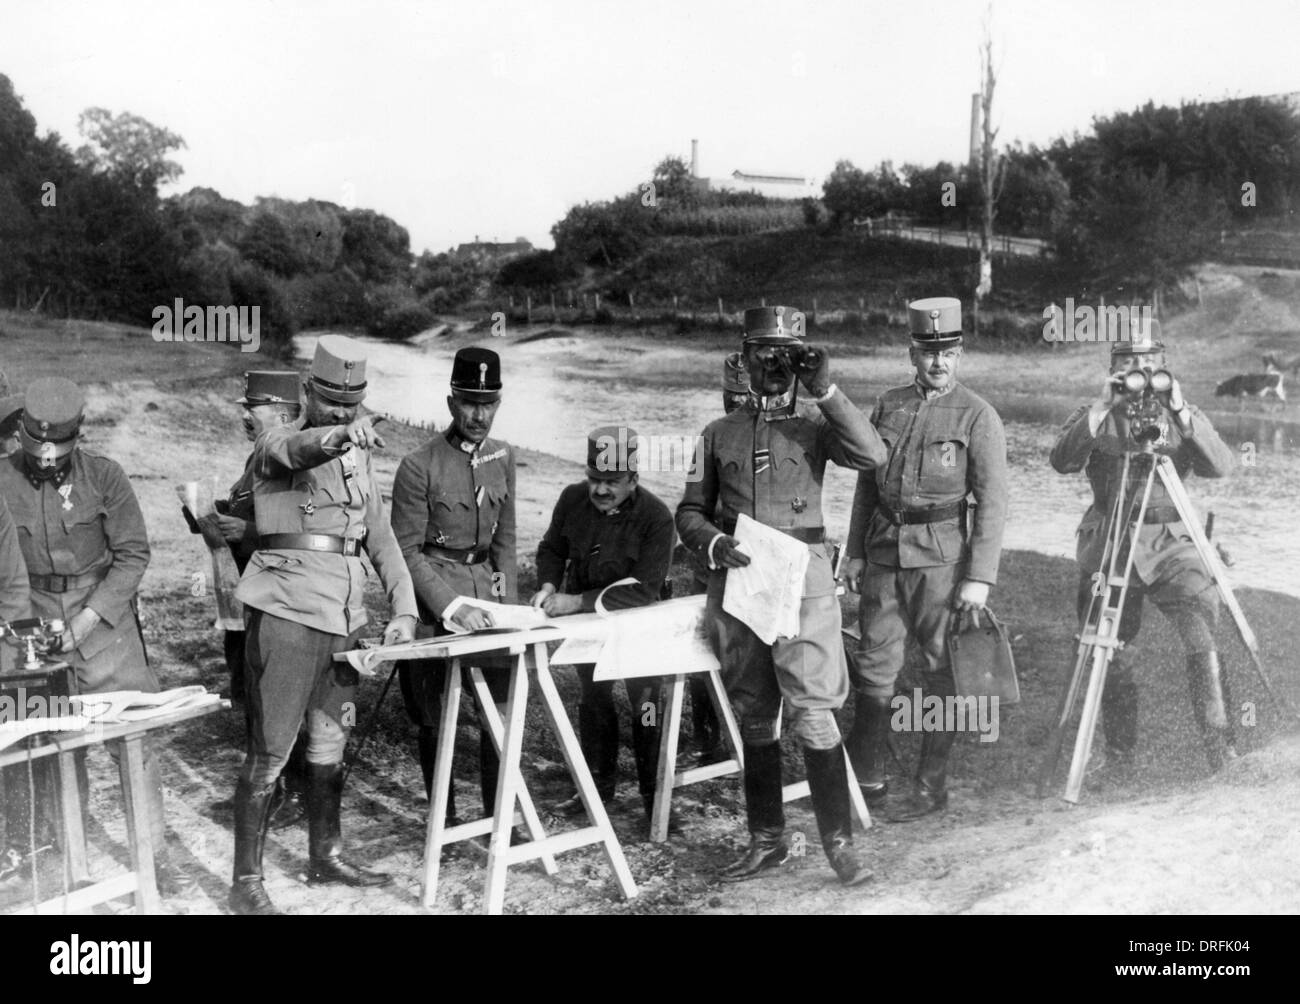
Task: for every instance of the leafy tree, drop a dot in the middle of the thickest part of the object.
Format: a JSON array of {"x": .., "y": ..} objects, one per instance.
[
  {"x": 375, "y": 247},
  {"x": 129, "y": 148}
]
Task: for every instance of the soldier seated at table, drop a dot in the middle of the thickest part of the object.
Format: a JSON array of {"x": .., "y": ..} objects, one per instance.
[{"x": 606, "y": 530}]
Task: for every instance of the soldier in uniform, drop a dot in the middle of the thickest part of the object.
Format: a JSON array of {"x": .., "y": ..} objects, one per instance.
[
  {"x": 84, "y": 542},
  {"x": 11, "y": 410},
  {"x": 1166, "y": 564},
  {"x": 454, "y": 519},
  {"x": 767, "y": 461},
  {"x": 604, "y": 530},
  {"x": 706, "y": 732},
  {"x": 271, "y": 398},
  {"x": 16, "y": 604},
  {"x": 910, "y": 554},
  {"x": 317, "y": 505}
]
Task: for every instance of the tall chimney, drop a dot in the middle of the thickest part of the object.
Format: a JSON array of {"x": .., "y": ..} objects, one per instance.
[
  {"x": 695, "y": 158},
  {"x": 974, "y": 129}
]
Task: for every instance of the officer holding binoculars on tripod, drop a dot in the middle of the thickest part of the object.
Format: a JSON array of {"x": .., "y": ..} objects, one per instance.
[{"x": 1142, "y": 408}]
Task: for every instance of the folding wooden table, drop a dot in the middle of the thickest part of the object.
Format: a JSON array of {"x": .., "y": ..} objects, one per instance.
[{"x": 139, "y": 881}]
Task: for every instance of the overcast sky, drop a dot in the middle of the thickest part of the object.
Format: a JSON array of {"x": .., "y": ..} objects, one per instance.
[{"x": 467, "y": 117}]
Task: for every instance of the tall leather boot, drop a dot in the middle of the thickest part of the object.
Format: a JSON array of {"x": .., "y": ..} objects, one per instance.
[
  {"x": 291, "y": 791},
  {"x": 931, "y": 793},
  {"x": 1205, "y": 679},
  {"x": 324, "y": 834},
  {"x": 869, "y": 746},
  {"x": 1119, "y": 714},
  {"x": 252, "y": 813},
  {"x": 764, "y": 812},
  {"x": 598, "y": 737},
  {"x": 828, "y": 783}
]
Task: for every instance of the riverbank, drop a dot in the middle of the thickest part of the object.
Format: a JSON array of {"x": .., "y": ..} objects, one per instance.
[{"x": 1174, "y": 841}]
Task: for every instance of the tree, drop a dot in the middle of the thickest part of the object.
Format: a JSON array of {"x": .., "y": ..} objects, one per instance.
[
  {"x": 674, "y": 184},
  {"x": 849, "y": 194},
  {"x": 988, "y": 165},
  {"x": 129, "y": 148}
]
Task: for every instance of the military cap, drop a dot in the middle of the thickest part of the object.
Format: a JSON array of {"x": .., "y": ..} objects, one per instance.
[
  {"x": 270, "y": 387},
  {"x": 52, "y": 409},
  {"x": 935, "y": 322},
  {"x": 1136, "y": 334},
  {"x": 612, "y": 452},
  {"x": 735, "y": 379},
  {"x": 774, "y": 325},
  {"x": 338, "y": 370},
  {"x": 476, "y": 374},
  {"x": 11, "y": 409}
]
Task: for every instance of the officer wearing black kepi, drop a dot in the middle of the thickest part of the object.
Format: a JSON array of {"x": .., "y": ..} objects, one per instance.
[
  {"x": 84, "y": 542},
  {"x": 767, "y": 461},
  {"x": 603, "y": 531},
  {"x": 1166, "y": 564},
  {"x": 454, "y": 519},
  {"x": 706, "y": 732},
  {"x": 910, "y": 555}
]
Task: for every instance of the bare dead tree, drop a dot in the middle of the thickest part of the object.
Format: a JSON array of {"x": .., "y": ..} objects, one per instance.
[{"x": 990, "y": 165}]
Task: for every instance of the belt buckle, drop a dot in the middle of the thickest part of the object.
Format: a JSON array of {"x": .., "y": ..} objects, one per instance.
[
  {"x": 467, "y": 558},
  {"x": 896, "y": 516},
  {"x": 62, "y": 581},
  {"x": 350, "y": 547}
]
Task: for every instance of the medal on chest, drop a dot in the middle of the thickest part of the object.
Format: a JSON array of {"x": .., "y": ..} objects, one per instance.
[
  {"x": 65, "y": 492},
  {"x": 799, "y": 504},
  {"x": 307, "y": 507}
]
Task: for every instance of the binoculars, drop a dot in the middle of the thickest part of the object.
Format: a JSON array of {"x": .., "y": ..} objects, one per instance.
[
  {"x": 1137, "y": 383},
  {"x": 796, "y": 358}
]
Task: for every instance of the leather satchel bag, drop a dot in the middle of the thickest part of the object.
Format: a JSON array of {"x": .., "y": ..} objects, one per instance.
[{"x": 981, "y": 659}]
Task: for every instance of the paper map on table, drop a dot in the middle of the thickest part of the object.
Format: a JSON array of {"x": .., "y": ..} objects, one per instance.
[
  {"x": 657, "y": 640},
  {"x": 766, "y": 593},
  {"x": 504, "y": 615}
]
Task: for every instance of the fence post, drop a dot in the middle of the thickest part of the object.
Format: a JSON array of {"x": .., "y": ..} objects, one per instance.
[
  {"x": 555, "y": 318},
  {"x": 529, "y": 302},
  {"x": 719, "y": 310}
]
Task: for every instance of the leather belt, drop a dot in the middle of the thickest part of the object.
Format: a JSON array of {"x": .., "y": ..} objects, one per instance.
[
  {"x": 1162, "y": 514},
  {"x": 451, "y": 554},
  {"x": 807, "y": 534},
  {"x": 326, "y": 542},
  {"x": 66, "y": 583},
  {"x": 912, "y": 517}
]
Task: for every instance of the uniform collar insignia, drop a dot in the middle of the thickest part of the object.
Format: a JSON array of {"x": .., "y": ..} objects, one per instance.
[{"x": 930, "y": 393}]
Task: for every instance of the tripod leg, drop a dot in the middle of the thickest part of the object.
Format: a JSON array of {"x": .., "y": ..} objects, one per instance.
[
  {"x": 1104, "y": 638},
  {"x": 1214, "y": 568}
]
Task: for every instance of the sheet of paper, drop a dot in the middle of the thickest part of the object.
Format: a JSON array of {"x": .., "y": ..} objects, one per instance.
[
  {"x": 657, "y": 640},
  {"x": 504, "y": 615},
  {"x": 766, "y": 594}
]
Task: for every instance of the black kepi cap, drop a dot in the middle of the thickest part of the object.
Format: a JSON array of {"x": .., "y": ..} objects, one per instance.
[{"x": 476, "y": 374}]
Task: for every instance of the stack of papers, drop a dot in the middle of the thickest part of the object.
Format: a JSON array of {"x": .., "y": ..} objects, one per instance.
[{"x": 765, "y": 595}]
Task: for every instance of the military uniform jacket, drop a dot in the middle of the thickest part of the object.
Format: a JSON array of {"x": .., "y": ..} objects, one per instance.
[
  {"x": 772, "y": 471},
  {"x": 87, "y": 523},
  {"x": 464, "y": 500},
  {"x": 301, "y": 486},
  {"x": 1102, "y": 456},
  {"x": 240, "y": 506},
  {"x": 15, "y": 591},
  {"x": 940, "y": 451},
  {"x": 598, "y": 549}
]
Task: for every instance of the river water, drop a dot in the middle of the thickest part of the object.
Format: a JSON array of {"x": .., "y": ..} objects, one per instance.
[{"x": 558, "y": 388}]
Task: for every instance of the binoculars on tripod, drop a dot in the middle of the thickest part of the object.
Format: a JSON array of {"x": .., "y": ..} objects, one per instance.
[{"x": 1141, "y": 382}]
